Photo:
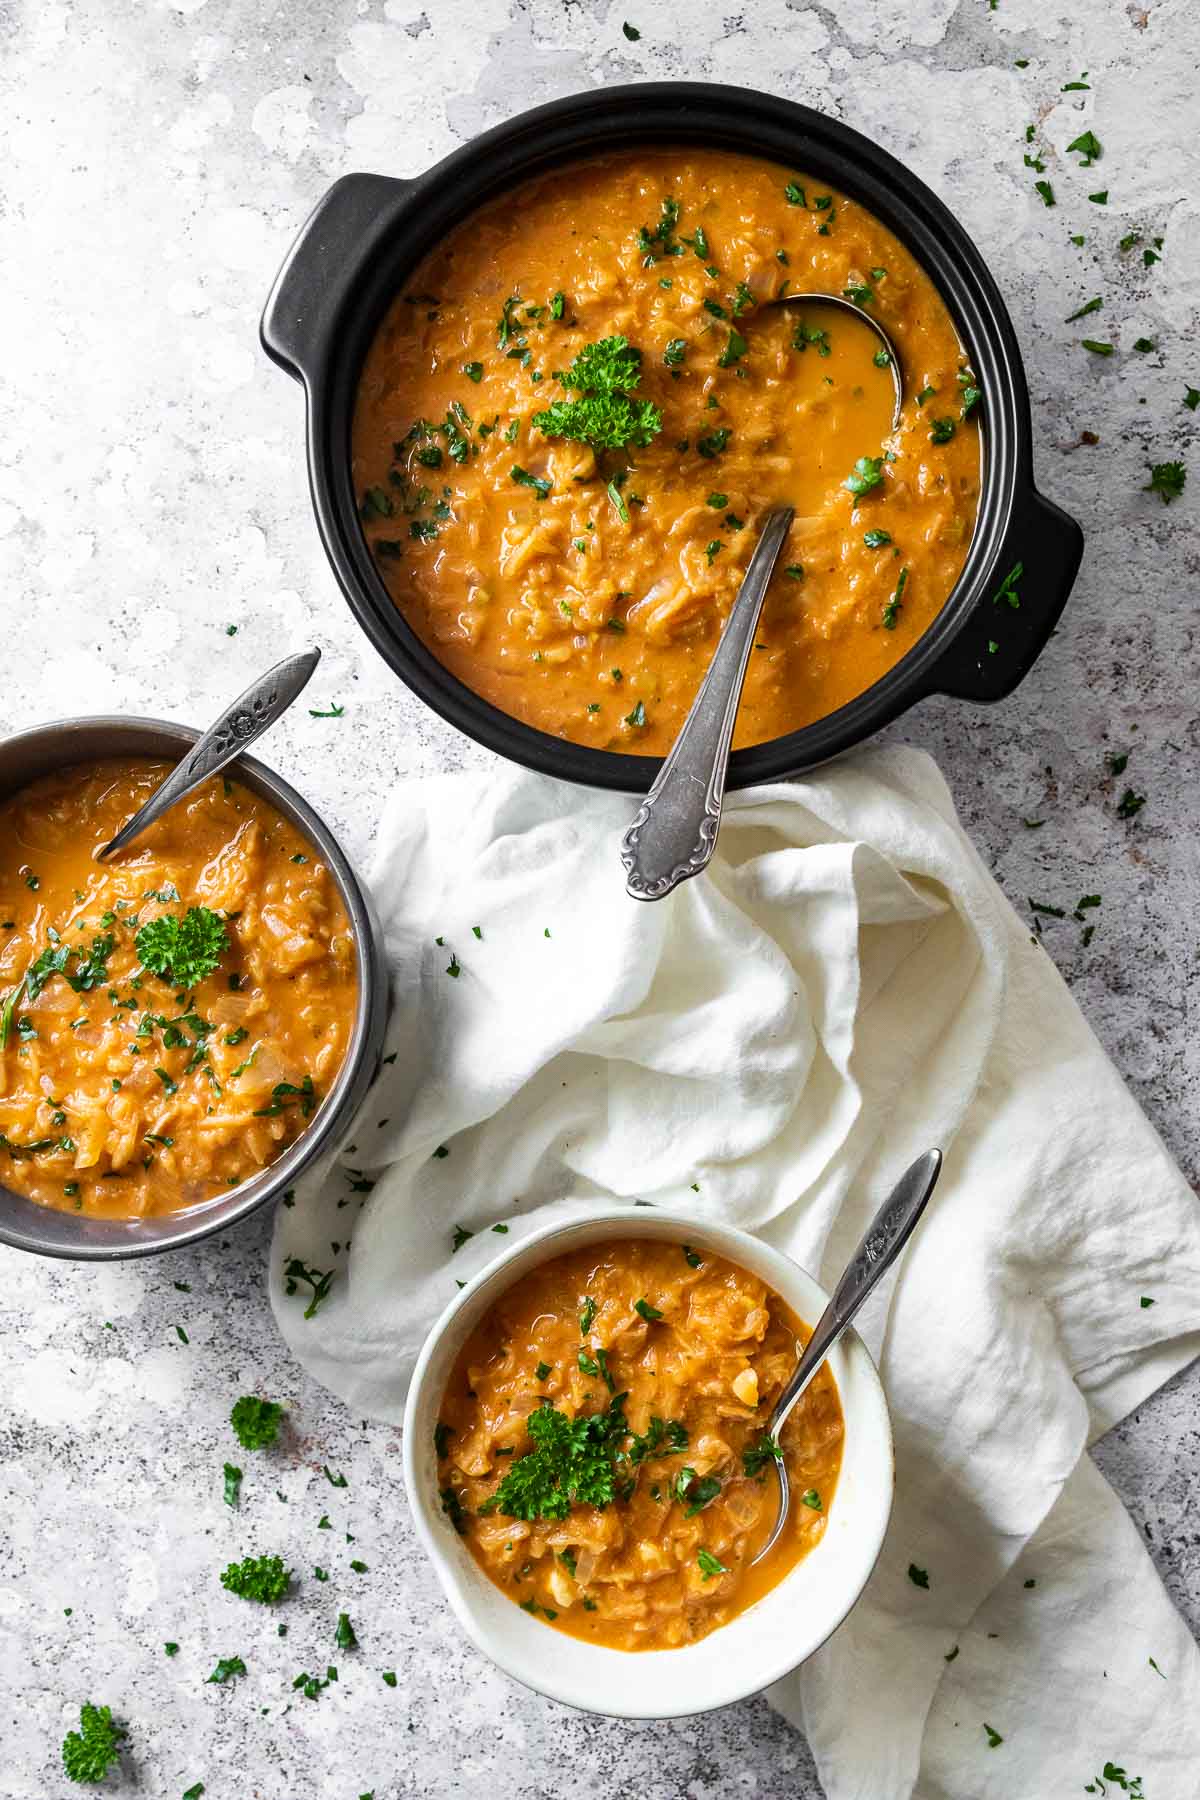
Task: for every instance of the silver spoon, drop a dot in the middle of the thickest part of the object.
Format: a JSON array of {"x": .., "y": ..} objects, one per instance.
[
  {"x": 886, "y": 1236},
  {"x": 252, "y": 713},
  {"x": 674, "y": 832}
]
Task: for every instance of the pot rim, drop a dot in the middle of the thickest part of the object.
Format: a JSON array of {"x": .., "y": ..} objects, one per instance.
[
  {"x": 46, "y": 1231},
  {"x": 698, "y": 1677},
  {"x": 321, "y": 330}
]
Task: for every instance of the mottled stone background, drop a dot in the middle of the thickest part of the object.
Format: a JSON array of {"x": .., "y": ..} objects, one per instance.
[{"x": 157, "y": 159}]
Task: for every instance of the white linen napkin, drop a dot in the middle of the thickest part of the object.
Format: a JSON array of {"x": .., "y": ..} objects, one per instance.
[{"x": 771, "y": 1046}]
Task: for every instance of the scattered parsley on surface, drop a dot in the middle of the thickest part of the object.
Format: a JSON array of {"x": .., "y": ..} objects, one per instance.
[
  {"x": 255, "y": 1422},
  {"x": 709, "y": 1564},
  {"x": 993, "y": 1737},
  {"x": 1089, "y": 148},
  {"x": 1117, "y": 1777},
  {"x": 89, "y": 1752},
  {"x": 260, "y": 1578},
  {"x": 918, "y": 1577},
  {"x": 233, "y": 1484},
  {"x": 1167, "y": 479}
]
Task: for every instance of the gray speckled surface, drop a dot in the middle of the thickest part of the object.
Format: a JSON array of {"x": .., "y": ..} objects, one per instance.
[{"x": 158, "y": 159}]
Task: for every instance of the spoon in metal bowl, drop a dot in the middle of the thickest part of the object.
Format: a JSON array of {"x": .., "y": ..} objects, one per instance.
[
  {"x": 886, "y": 1237},
  {"x": 252, "y": 713},
  {"x": 674, "y": 831}
]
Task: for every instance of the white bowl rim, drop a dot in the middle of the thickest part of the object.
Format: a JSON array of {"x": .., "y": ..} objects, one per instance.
[{"x": 517, "y": 1652}]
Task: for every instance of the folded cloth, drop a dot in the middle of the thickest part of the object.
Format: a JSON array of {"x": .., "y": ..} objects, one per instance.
[{"x": 771, "y": 1046}]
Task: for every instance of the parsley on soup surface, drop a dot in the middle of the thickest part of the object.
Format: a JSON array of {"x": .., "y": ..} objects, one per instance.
[
  {"x": 602, "y": 1449},
  {"x": 576, "y": 370},
  {"x": 169, "y": 1020}
]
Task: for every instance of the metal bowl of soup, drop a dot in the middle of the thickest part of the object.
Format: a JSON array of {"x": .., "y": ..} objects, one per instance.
[
  {"x": 358, "y": 253},
  {"x": 62, "y": 1227}
]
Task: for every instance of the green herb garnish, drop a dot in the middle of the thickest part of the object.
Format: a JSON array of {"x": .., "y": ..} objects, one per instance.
[
  {"x": 866, "y": 474},
  {"x": 756, "y": 1456},
  {"x": 1089, "y": 148},
  {"x": 572, "y": 1461},
  {"x": 255, "y": 1422},
  {"x": 227, "y": 1667},
  {"x": 709, "y": 1564},
  {"x": 891, "y": 611},
  {"x": 260, "y": 1578},
  {"x": 320, "y": 1282},
  {"x": 523, "y": 478},
  {"x": 1167, "y": 479},
  {"x": 88, "y": 1753},
  {"x": 183, "y": 950}
]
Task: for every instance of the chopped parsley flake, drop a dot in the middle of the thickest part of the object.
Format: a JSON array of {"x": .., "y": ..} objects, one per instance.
[
  {"x": 1167, "y": 479},
  {"x": 866, "y": 474}
]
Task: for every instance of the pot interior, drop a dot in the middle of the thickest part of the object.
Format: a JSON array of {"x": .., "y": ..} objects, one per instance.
[{"x": 575, "y": 130}]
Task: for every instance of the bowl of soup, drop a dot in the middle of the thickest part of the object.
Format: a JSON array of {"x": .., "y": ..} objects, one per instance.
[
  {"x": 588, "y": 1465},
  {"x": 185, "y": 1027},
  {"x": 552, "y": 395}
]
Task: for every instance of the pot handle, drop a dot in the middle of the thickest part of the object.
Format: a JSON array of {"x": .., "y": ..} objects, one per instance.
[
  {"x": 1012, "y": 624},
  {"x": 336, "y": 241}
]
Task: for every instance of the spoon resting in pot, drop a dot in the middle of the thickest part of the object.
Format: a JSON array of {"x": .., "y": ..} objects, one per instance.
[{"x": 674, "y": 832}]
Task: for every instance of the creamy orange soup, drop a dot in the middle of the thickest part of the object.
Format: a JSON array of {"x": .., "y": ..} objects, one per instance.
[
  {"x": 171, "y": 1020},
  {"x": 601, "y": 1443},
  {"x": 583, "y": 590}
]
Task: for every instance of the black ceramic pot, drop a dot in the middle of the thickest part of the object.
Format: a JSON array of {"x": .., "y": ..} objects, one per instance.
[{"x": 357, "y": 250}]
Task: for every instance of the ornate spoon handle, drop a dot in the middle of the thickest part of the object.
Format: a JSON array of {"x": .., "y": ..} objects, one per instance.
[
  {"x": 238, "y": 726},
  {"x": 675, "y": 830},
  {"x": 885, "y": 1238}
]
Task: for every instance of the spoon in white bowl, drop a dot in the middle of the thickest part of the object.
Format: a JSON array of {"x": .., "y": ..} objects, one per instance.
[
  {"x": 674, "y": 831},
  {"x": 252, "y": 713},
  {"x": 885, "y": 1238}
]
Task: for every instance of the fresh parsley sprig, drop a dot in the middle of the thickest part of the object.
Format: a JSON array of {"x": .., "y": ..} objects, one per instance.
[{"x": 183, "y": 950}]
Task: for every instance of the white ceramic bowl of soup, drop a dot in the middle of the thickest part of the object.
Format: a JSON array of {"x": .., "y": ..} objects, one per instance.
[{"x": 767, "y": 1640}]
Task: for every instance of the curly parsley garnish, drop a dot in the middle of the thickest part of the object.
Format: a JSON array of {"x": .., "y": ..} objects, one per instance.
[
  {"x": 183, "y": 950},
  {"x": 571, "y": 1462},
  {"x": 261, "y": 1578},
  {"x": 88, "y": 1752},
  {"x": 604, "y": 415},
  {"x": 255, "y": 1422}
]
